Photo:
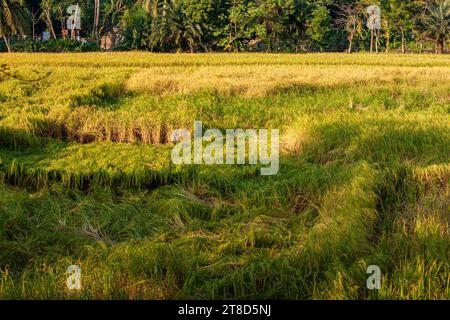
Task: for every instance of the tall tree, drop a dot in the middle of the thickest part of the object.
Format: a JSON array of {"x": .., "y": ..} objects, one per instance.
[
  {"x": 113, "y": 12},
  {"x": 47, "y": 7},
  {"x": 172, "y": 28},
  {"x": 349, "y": 18},
  {"x": 297, "y": 22},
  {"x": 400, "y": 18},
  {"x": 436, "y": 20},
  {"x": 13, "y": 19},
  {"x": 34, "y": 21},
  {"x": 182, "y": 31},
  {"x": 319, "y": 24},
  {"x": 59, "y": 9},
  {"x": 272, "y": 20},
  {"x": 96, "y": 19},
  {"x": 242, "y": 25},
  {"x": 135, "y": 24}
]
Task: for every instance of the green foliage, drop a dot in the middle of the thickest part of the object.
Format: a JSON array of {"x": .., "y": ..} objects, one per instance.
[
  {"x": 136, "y": 24},
  {"x": 175, "y": 28},
  {"x": 319, "y": 24},
  {"x": 239, "y": 25},
  {"x": 13, "y": 17},
  {"x": 436, "y": 22},
  {"x": 13, "y": 20},
  {"x": 58, "y": 45}
]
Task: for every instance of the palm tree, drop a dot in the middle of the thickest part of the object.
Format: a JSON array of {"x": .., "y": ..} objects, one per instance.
[
  {"x": 181, "y": 29},
  {"x": 172, "y": 27},
  {"x": 13, "y": 19},
  {"x": 436, "y": 21}
]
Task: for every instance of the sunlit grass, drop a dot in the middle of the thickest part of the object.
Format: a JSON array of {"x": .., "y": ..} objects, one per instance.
[{"x": 364, "y": 177}]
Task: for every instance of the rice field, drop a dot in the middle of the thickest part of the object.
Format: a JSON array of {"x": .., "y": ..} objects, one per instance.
[{"x": 86, "y": 177}]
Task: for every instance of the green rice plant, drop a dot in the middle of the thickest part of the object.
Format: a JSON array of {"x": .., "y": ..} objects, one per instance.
[{"x": 86, "y": 177}]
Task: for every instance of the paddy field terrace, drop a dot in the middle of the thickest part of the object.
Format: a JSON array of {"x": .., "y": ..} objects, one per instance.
[{"x": 87, "y": 177}]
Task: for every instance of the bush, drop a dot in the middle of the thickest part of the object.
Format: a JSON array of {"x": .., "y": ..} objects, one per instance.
[{"x": 58, "y": 45}]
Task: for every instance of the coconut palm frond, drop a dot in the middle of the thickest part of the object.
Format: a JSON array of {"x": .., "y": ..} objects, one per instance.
[{"x": 13, "y": 17}]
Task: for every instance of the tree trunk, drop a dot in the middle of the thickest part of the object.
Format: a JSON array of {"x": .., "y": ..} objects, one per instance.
[
  {"x": 387, "y": 35},
  {"x": 8, "y": 47},
  {"x": 190, "y": 46},
  {"x": 34, "y": 21},
  {"x": 96, "y": 19},
  {"x": 371, "y": 41},
  {"x": 376, "y": 41},
  {"x": 440, "y": 46},
  {"x": 403, "y": 41},
  {"x": 49, "y": 23},
  {"x": 63, "y": 29},
  {"x": 350, "y": 45},
  {"x": 62, "y": 23},
  {"x": 388, "y": 40},
  {"x": 351, "y": 36}
]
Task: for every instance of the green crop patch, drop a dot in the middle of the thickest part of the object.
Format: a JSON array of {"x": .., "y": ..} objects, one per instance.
[{"x": 87, "y": 178}]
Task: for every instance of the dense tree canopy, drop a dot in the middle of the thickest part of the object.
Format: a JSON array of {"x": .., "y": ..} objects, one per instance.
[{"x": 237, "y": 25}]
